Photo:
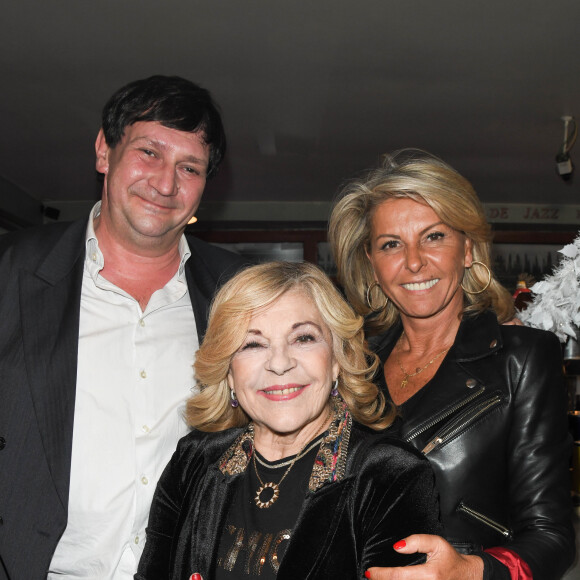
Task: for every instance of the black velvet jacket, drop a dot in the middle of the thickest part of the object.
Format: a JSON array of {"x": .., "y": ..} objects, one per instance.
[
  {"x": 383, "y": 491},
  {"x": 492, "y": 422}
]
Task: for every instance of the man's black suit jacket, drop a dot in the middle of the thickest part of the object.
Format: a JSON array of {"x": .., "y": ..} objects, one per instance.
[{"x": 40, "y": 285}]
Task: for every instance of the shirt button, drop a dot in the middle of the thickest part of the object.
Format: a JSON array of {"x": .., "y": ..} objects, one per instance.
[
  {"x": 145, "y": 429},
  {"x": 144, "y": 480},
  {"x": 141, "y": 322},
  {"x": 470, "y": 383},
  {"x": 143, "y": 374},
  {"x": 94, "y": 257},
  {"x": 493, "y": 343},
  {"x": 136, "y": 539}
]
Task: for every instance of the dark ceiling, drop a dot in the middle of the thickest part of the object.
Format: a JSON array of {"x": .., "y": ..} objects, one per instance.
[{"x": 311, "y": 92}]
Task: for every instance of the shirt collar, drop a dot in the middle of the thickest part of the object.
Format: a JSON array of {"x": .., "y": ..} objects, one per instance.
[{"x": 96, "y": 260}]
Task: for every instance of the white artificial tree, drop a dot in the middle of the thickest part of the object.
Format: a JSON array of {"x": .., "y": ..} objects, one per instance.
[{"x": 556, "y": 304}]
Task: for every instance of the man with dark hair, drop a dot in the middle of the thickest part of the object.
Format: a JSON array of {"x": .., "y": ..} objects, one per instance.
[
  {"x": 100, "y": 323},
  {"x": 172, "y": 101}
]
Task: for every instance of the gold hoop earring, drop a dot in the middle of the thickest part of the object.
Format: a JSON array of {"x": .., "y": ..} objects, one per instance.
[
  {"x": 488, "y": 279},
  {"x": 369, "y": 298}
]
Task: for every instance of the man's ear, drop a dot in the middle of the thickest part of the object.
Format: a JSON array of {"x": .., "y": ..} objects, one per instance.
[{"x": 102, "y": 152}]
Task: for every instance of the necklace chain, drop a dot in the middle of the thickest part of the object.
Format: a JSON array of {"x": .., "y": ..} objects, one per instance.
[
  {"x": 275, "y": 487},
  {"x": 407, "y": 376},
  {"x": 285, "y": 463},
  {"x": 270, "y": 484}
]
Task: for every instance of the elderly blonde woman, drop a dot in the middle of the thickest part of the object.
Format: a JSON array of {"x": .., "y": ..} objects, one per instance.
[
  {"x": 283, "y": 476},
  {"x": 484, "y": 402}
]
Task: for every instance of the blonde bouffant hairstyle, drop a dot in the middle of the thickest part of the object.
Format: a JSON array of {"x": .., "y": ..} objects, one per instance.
[
  {"x": 248, "y": 292},
  {"x": 426, "y": 179}
]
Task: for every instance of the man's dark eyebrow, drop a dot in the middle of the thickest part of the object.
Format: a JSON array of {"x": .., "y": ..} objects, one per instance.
[{"x": 162, "y": 145}]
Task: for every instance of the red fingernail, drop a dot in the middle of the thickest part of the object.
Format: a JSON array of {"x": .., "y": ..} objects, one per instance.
[
  {"x": 400, "y": 544},
  {"x": 367, "y": 574}
]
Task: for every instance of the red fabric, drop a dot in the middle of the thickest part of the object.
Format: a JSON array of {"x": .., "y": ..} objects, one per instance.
[{"x": 519, "y": 570}]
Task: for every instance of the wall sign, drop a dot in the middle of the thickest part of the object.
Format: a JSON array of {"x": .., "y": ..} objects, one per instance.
[{"x": 519, "y": 213}]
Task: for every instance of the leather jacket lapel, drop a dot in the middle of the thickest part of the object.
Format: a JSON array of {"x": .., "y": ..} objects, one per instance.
[
  {"x": 459, "y": 381},
  {"x": 478, "y": 337}
]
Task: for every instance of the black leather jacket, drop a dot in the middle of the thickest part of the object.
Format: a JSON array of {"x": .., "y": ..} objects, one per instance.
[{"x": 492, "y": 422}]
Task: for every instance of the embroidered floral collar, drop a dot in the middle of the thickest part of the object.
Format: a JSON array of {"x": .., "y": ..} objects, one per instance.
[{"x": 330, "y": 462}]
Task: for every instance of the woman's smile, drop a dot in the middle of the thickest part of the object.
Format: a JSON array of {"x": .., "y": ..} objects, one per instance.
[
  {"x": 283, "y": 392},
  {"x": 414, "y": 286}
]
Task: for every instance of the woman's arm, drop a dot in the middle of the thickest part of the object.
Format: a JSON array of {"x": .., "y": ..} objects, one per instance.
[
  {"x": 538, "y": 470},
  {"x": 443, "y": 561},
  {"x": 397, "y": 498}
]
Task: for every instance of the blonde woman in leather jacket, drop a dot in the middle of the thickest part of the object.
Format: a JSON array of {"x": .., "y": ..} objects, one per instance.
[{"x": 484, "y": 402}]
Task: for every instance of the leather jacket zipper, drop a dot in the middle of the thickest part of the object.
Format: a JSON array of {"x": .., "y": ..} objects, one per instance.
[
  {"x": 505, "y": 532},
  {"x": 449, "y": 411},
  {"x": 467, "y": 417}
]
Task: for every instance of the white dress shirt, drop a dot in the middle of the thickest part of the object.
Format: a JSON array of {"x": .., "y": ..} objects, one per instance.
[{"x": 134, "y": 375}]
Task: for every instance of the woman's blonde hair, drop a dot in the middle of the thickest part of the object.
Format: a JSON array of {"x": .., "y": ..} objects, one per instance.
[
  {"x": 422, "y": 177},
  {"x": 253, "y": 289}
]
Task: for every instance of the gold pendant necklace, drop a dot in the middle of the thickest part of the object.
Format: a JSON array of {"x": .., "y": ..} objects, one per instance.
[
  {"x": 274, "y": 487},
  {"x": 407, "y": 376},
  {"x": 270, "y": 485}
]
